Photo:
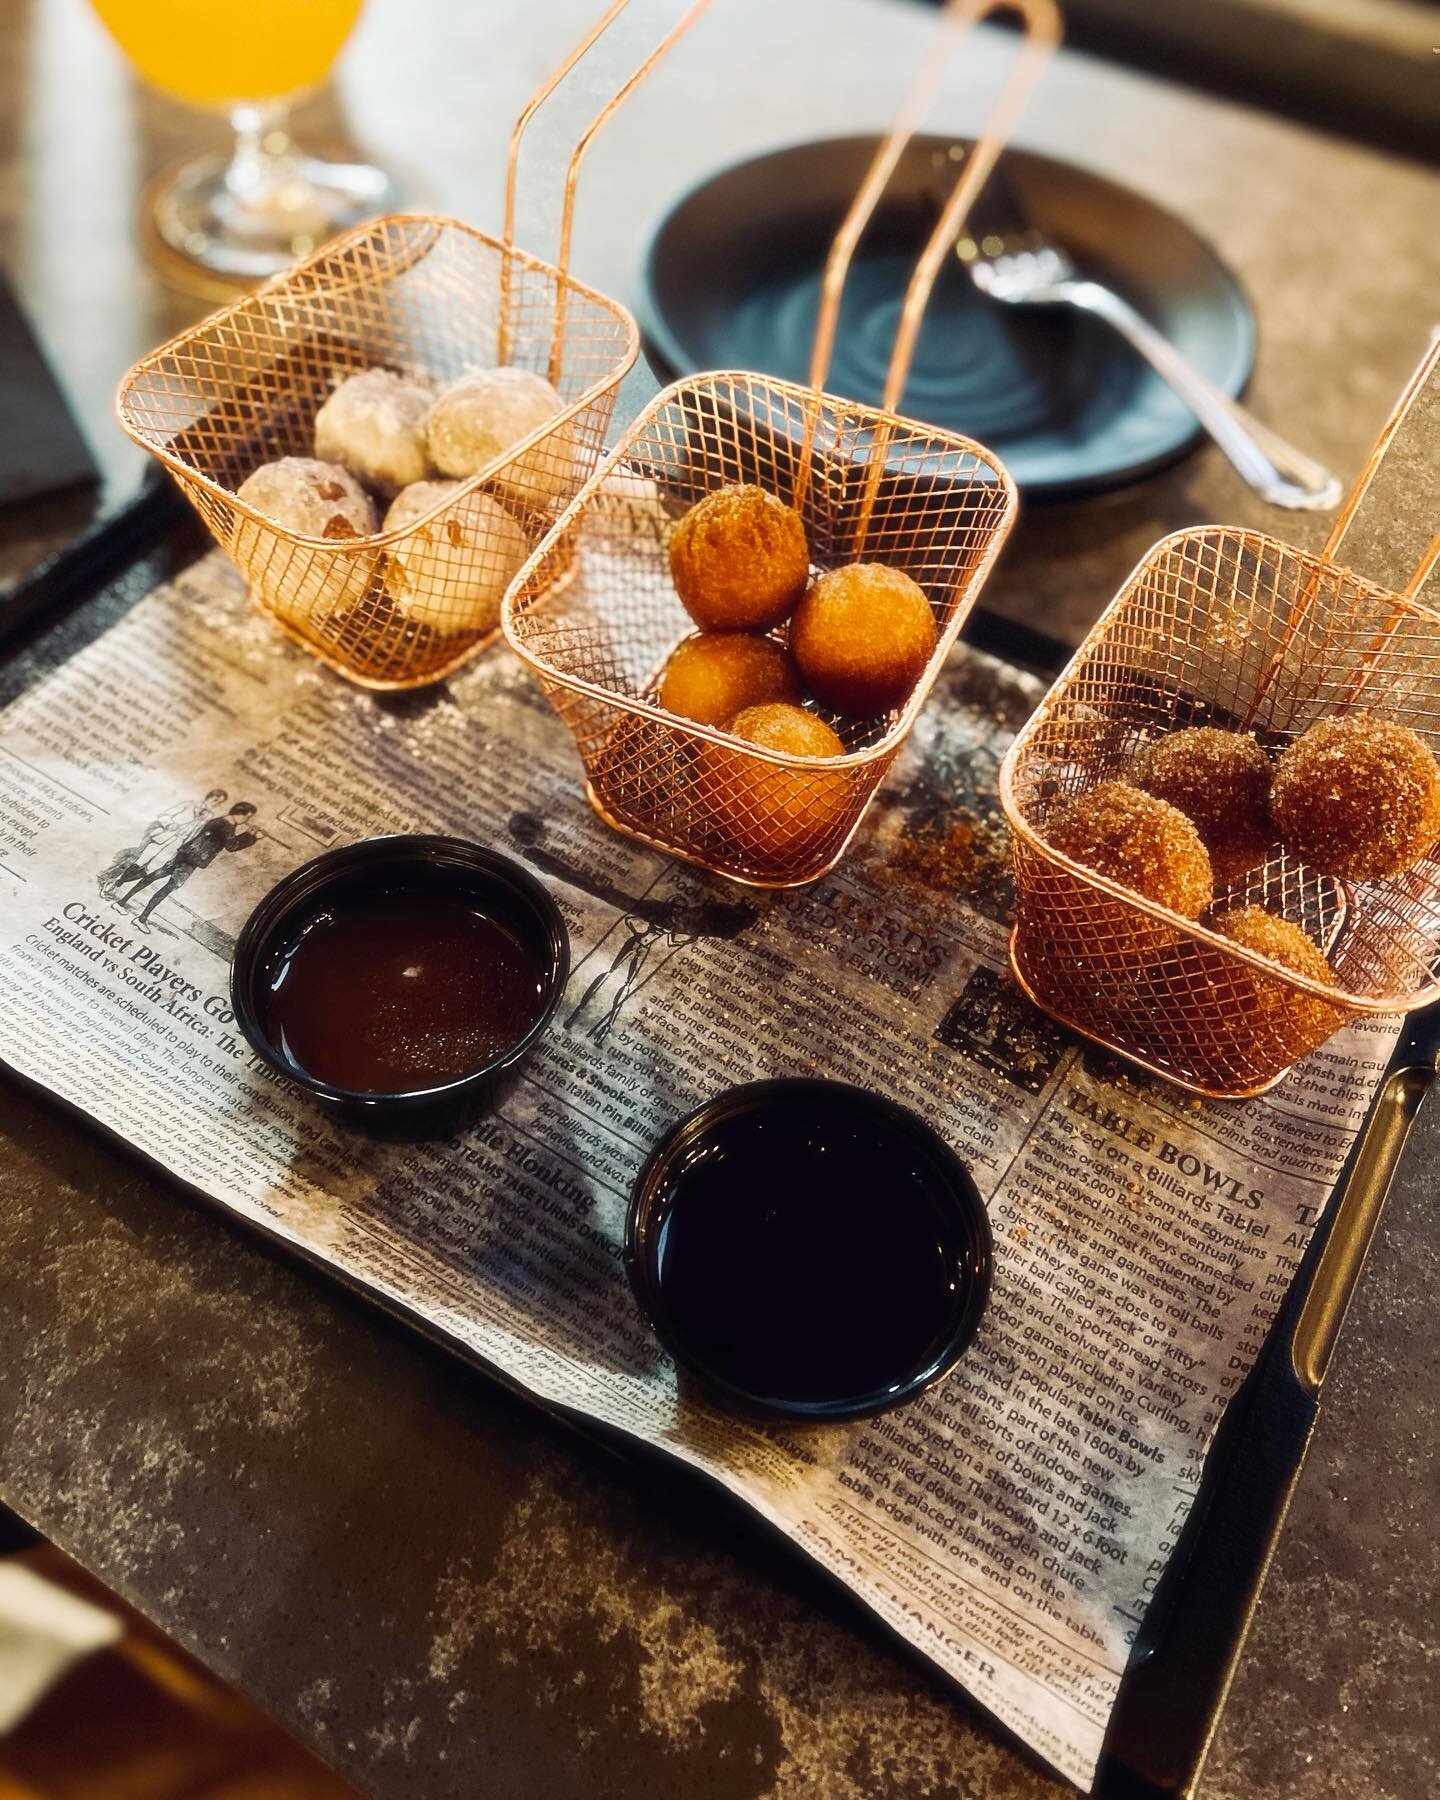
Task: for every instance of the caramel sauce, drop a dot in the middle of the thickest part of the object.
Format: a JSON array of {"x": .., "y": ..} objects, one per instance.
[{"x": 398, "y": 992}]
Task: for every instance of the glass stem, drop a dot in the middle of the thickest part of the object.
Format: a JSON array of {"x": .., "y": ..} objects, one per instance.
[{"x": 263, "y": 160}]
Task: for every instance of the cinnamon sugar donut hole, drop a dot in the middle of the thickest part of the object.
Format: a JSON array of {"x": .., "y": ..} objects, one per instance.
[
  {"x": 1220, "y": 780},
  {"x": 1266, "y": 1023},
  {"x": 1358, "y": 797}
]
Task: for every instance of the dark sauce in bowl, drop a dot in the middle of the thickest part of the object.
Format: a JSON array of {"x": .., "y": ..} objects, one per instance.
[
  {"x": 399, "y": 979},
  {"x": 809, "y": 1248},
  {"x": 388, "y": 993}
]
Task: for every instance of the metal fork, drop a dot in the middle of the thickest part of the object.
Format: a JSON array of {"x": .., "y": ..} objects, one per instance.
[{"x": 1027, "y": 270}]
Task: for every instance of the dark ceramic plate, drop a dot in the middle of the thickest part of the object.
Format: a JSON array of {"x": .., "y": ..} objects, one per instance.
[{"x": 733, "y": 276}]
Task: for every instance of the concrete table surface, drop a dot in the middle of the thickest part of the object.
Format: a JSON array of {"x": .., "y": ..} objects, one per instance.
[{"x": 439, "y": 1592}]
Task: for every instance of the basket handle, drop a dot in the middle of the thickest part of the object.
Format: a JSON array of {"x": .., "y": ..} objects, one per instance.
[
  {"x": 1400, "y": 445},
  {"x": 1410, "y": 427},
  {"x": 606, "y": 112},
  {"x": 1040, "y": 23}
]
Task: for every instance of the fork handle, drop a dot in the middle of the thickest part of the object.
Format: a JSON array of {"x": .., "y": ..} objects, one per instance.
[{"x": 1278, "y": 471}]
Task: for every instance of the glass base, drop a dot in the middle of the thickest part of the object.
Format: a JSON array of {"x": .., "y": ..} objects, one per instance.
[{"x": 217, "y": 228}]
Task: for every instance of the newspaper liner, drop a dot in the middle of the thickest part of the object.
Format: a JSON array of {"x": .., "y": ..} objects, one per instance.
[{"x": 1012, "y": 1523}]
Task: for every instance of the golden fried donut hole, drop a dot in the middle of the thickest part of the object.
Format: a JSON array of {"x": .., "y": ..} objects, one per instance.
[
  {"x": 739, "y": 560},
  {"x": 861, "y": 638},
  {"x": 714, "y": 675},
  {"x": 778, "y": 726},
  {"x": 764, "y": 808}
]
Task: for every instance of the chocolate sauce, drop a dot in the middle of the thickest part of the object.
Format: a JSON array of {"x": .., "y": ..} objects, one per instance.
[
  {"x": 811, "y": 1252},
  {"x": 397, "y": 992}
]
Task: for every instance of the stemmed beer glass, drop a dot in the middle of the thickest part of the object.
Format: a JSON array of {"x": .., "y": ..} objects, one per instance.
[{"x": 228, "y": 219}]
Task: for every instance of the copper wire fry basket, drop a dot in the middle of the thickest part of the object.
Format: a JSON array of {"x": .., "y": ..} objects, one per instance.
[
  {"x": 420, "y": 295},
  {"x": 1225, "y": 627},
  {"x": 869, "y": 485}
]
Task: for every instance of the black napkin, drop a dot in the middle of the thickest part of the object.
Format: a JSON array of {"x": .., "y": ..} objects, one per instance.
[{"x": 41, "y": 448}]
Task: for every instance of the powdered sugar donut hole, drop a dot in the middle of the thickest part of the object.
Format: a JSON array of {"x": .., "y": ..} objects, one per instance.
[
  {"x": 316, "y": 500},
  {"x": 374, "y": 425},
  {"x": 311, "y": 498},
  {"x": 627, "y": 494},
  {"x": 452, "y": 573},
  {"x": 487, "y": 412}
]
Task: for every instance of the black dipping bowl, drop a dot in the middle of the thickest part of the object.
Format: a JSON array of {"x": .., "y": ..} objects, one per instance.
[
  {"x": 839, "y": 1116},
  {"x": 504, "y": 889}
]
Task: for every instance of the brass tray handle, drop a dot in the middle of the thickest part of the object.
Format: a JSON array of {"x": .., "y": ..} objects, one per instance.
[{"x": 1317, "y": 1330}]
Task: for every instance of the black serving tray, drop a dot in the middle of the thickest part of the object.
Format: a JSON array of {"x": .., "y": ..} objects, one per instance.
[{"x": 1174, "y": 1688}]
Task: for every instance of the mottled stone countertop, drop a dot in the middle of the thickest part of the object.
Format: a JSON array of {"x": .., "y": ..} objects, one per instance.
[{"x": 440, "y": 1592}]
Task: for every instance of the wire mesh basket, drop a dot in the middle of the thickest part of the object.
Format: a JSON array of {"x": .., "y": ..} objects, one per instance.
[
  {"x": 939, "y": 511},
  {"x": 869, "y": 486},
  {"x": 1221, "y": 626},
  {"x": 419, "y": 295}
]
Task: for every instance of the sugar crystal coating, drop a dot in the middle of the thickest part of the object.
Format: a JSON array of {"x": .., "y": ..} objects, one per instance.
[
  {"x": 1220, "y": 780},
  {"x": 1280, "y": 1017},
  {"x": 1143, "y": 843},
  {"x": 1358, "y": 797}
]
